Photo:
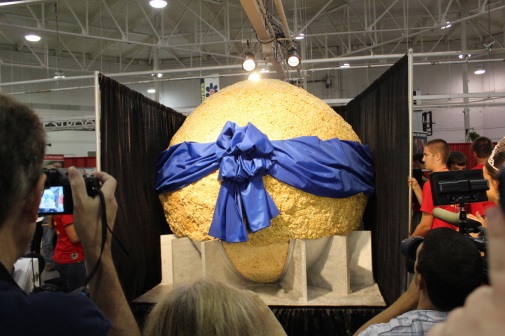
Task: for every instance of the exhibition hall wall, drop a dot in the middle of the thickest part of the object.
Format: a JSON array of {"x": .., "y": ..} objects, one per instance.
[{"x": 184, "y": 95}]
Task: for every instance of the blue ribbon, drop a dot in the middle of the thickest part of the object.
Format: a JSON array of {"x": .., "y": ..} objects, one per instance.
[{"x": 331, "y": 168}]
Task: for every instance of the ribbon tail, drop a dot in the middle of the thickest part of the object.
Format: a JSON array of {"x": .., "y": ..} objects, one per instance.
[
  {"x": 258, "y": 205},
  {"x": 227, "y": 222}
]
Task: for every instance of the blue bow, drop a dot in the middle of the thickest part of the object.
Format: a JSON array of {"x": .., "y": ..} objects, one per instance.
[{"x": 331, "y": 168}]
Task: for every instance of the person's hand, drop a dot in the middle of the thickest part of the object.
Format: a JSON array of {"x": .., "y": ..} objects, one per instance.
[
  {"x": 478, "y": 217},
  {"x": 88, "y": 210},
  {"x": 413, "y": 183},
  {"x": 484, "y": 310}
]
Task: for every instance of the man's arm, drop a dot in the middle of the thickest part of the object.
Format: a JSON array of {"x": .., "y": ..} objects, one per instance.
[
  {"x": 407, "y": 302},
  {"x": 424, "y": 226},
  {"x": 417, "y": 189},
  {"x": 105, "y": 288}
]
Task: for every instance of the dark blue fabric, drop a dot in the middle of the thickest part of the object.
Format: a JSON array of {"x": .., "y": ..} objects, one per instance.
[
  {"x": 47, "y": 313},
  {"x": 331, "y": 168}
]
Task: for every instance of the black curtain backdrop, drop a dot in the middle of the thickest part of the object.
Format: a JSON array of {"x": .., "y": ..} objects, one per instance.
[
  {"x": 302, "y": 321},
  {"x": 134, "y": 131},
  {"x": 380, "y": 117}
]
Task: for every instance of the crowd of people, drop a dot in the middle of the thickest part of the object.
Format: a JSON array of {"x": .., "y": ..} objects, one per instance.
[
  {"x": 445, "y": 297},
  {"x": 438, "y": 157}
]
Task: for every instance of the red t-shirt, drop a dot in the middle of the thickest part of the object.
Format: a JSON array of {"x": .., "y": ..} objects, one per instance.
[
  {"x": 428, "y": 207},
  {"x": 481, "y": 207},
  {"x": 66, "y": 252}
]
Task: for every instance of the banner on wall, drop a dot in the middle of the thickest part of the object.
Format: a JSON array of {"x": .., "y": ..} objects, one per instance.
[
  {"x": 54, "y": 160},
  {"x": 420, "y": 140},
  {"x": 209, "y": 86}
]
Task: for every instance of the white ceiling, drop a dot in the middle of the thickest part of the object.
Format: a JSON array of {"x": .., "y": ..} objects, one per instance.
[{"x": 117, "y": 36}]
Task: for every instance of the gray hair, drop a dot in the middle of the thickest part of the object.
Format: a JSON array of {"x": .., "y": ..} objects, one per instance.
[
  {"x": 22, "y": 149},
  {"x": 205, "y": 308}
]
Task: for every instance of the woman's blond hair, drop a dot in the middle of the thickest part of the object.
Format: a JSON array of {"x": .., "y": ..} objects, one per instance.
[{"x": 206, "y": 308}]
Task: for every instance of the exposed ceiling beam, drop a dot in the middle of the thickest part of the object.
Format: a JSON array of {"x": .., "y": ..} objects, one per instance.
[{"x": 267, "y": 37}]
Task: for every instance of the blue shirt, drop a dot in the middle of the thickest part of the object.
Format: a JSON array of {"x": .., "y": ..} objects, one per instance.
[
  {"x": 47, "y": 313},
  {"x": 415, "y": 322}
]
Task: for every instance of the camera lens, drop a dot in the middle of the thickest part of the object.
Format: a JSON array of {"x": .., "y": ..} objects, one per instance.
[{"x": 409, "y": 246}]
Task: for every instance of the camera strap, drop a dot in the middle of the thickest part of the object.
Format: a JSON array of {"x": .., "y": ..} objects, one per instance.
[{"x": 105, "y": 228}]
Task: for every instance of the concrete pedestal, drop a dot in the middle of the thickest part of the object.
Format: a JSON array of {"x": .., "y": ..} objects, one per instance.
[{"x": 331, "y": 271}]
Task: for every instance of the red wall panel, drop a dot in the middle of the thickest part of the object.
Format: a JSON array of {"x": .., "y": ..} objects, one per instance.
[{"x": 80, "y": 162}]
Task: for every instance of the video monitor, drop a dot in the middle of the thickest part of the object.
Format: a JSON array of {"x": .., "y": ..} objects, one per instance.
[
  {"x": 458, "y": 187},
  {"x": 55, "y": 202}
]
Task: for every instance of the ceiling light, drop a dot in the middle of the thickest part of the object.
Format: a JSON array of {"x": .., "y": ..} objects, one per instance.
[
  {"x": 32, "y": 37},
  {"x": 480, "y": 70},
  {"x": 59, "y": 74},
  {"x": 293, "y": 57},
  {"x": 254, "y": 76},
  {"x": 159, "y": 75},
  {"x": 446, "y": 25},
  {"x": 300, "y": 36},
  {"x": 345, "y": 66},
  {"x": 249, "y": 62},
  {"x": 151, "y": 90},
  {"x": 158, "y": 3}
]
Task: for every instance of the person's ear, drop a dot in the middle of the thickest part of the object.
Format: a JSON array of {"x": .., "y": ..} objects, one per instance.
[
  {"x": 33, "y": 198},
  {"x": 421, "y": 285},
  {"x": 493, "y": 185}
]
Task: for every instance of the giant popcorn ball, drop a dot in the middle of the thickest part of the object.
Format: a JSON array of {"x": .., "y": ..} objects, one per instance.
[{"x": 281, "y": 111}]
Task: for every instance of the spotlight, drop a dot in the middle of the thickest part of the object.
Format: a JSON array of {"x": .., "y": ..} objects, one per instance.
[
  {"x": 32, "y": 37},
  {"x": 59, "y": 74},
  {"x": 151, "y": 90},
  {"x": 249, "y": 62},
  {"x": 158, "y": 3},
  {"x": 345, "y": 66},
  {"x": 254, "y": 76},
  {"x": 159, "y": 75},
  {"x": 293, "y": 57},
  {"x": 301, "y": 36},
  {"x": 446, "y": 25},
  {"x": 480, "y": 70}
]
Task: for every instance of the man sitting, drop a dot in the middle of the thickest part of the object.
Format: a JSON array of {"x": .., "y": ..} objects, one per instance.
[{"x": 448, "y": 268}]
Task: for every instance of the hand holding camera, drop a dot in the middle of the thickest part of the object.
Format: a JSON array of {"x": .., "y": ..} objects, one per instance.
[
  {"x": 57, "y": 197},
  {"x": 88, "y": 215}
]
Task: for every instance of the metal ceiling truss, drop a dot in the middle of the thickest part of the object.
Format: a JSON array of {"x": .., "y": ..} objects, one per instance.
[{"x": 194, "y": 34}]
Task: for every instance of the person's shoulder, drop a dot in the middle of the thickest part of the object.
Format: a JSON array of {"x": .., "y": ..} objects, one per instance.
[
  {"x": 431, "y": 315},
  {"x": 395, "y": 326},
  {"x": 414, "y": 322},
  {"x": 67, "y": 219},
  {"x": 75, "y": 314}
]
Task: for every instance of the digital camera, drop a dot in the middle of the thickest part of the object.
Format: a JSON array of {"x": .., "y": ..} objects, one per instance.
[{"x": 57, "y": 196}]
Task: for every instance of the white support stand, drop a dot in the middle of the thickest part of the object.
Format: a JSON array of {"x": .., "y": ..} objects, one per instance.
[{"x": 331, "y": 271}]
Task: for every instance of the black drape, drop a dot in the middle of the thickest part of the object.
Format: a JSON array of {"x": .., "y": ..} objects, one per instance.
[
  {"x": 134, "y": 131},
  {"x": 302, "y": 321},
  {"x": 380, "y": 117}
]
